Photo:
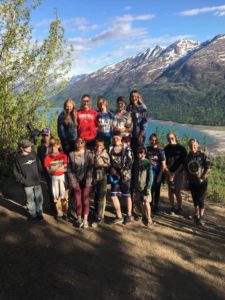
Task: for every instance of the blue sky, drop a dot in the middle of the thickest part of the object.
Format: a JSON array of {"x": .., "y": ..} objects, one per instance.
[{"x": 104, "y": 32}]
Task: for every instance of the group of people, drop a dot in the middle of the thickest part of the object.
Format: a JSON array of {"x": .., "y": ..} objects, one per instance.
[{"x": 98, "y": 148}]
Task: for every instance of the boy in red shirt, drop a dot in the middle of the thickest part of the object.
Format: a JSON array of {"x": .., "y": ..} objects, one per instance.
[{"x": 56, "y": 165}]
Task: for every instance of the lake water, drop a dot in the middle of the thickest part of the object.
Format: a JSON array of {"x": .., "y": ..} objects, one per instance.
[
  {"x": 180, "y": 129},
  {"x": 164, "y": 127}
]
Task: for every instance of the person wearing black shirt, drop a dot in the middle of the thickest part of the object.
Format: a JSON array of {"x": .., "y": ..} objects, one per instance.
[
  {"x": 197, "y": 168},
  {"x": 175, "y": 159},
  {"x": 156, "y": 156}
]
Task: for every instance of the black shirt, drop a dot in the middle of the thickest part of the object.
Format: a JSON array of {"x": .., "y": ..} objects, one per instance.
[
  {"x": 196, "y": 164},
  {"x": 175, "y": 156}
]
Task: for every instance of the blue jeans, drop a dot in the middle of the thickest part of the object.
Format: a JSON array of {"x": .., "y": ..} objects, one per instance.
[{"x": 34, "y": 200}]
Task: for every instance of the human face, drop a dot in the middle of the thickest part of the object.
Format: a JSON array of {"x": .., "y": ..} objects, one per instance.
[
  {"x": 135, "y": 98},
  {"x": 194, "y": 146},
  {"x": 117, "y": 140},
  {"x": 153, "y": 141},
  {"x": 172, "y": 139},
  {"x": 46, "y": 138},
  {"x": 26, "y": 150},
  {"x": 101, "y": 104},
  {"x": 86, "y": 103},
  {"x": 100, "y": 147},
  {"x": 55, "y": 148},
  {"x": 79, "y": 144},
  {"x": 120, "y": 105},
  {"x": 69, "y": 107},
  {"x": 141, "y": 155}
]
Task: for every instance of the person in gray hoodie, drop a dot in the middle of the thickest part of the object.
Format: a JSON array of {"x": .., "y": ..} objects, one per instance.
[{"x": 27, "y": 169}]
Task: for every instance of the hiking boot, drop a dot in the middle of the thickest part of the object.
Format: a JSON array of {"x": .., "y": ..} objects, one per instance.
[
  {"x": 31, "y": 218},
  {"x": 85, "y": 223},
  {"x": 118, "y": 220},
  {"x": 79, "y": 223},
  {"x": 128, "y": 219},
  {"x": 201, "y": 221},
  {"x": 172, "y": 211}
]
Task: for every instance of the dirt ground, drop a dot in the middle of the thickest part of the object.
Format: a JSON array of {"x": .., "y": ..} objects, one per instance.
[{"x": 52, "y": 260}]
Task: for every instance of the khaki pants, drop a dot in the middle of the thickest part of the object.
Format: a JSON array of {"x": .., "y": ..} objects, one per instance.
[{"x": 61, "y": 205}]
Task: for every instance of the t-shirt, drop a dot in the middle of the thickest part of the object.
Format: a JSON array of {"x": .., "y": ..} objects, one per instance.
[
  {"x": 155, "y": 156},
  {"x": 86, "y": 124},
  {"x": 195, "y": 165},
  {"x": 175, "y": 156},
  {"x": 139, "y": 119},
  {"x": 123, "y": 120},
  {"x": 55, "y": 161},
  {"x": 104, "y": 124}
]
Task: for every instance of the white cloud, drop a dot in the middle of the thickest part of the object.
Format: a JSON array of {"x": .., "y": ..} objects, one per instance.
[
  {"x": 127, "y": 8},
  {"x": 218, "y": 10}
]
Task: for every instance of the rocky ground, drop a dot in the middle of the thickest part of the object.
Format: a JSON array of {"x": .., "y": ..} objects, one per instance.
[{"x": 51, "y": 260}]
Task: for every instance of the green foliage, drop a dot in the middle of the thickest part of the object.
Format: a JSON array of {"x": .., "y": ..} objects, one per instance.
[
  {"x": 29, "y": 72},
  {"x": 216, "y": 189}
]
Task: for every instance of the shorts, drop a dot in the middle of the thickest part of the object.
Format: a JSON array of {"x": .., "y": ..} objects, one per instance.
[
  {"x": 120, "y": 188},
  {"x": 139, "y": 196}
]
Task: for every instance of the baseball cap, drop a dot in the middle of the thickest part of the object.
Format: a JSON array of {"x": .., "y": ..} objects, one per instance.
[
  {"x": 24, "y": 143},
  {"x": 46, "y": 131}
]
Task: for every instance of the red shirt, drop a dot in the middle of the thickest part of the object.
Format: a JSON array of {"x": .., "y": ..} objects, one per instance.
[
  {"x": 56, "y": 161},
  {"x": 86, "y": 127}
]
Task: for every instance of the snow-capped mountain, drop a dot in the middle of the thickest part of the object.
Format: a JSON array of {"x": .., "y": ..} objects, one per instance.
[
  {"x": 183, "y": 77},
  {"x": 133, "y": 72}
]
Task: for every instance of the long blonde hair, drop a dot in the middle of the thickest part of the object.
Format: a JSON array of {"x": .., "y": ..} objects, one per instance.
[{"x": 73, "y": 113}]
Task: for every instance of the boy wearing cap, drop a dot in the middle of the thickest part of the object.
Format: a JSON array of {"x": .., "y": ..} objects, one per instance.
[{"x": 27, "y": 168}]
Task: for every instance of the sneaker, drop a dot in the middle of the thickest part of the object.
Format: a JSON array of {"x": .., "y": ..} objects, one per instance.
[
  {"x": 172, "y": 211},
  {"x": 85, "y": 223},
  {"x": 118, "y": 220},
  {"x": 201, "y": 221},
  {"x": 128, "y": 219},
  {"x": 179, "y": 211},
  {"x": 40, "y": 217},
  {"x": 79, "y": 223},
  {"x": 96, "y": 223}
]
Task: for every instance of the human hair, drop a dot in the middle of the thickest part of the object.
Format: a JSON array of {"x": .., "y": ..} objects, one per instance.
[
  {"x": 172, "y": 133},
  {"x": 121, "y": 99},
  {"x": 191, "y": 140},
  {"x": 99, "y": 98},
  {"x": 154, "y": 135},
  {"x": 140, "y": 99},
  {"x": 82, "y": 98},
  {"x": 142, "y": 149},
  {"x": 72, "y": 114},
  {"x": 54, "y": 141}
]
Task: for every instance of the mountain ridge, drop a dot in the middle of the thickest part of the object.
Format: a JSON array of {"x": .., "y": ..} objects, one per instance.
[{"x": 182, "y": 75}]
